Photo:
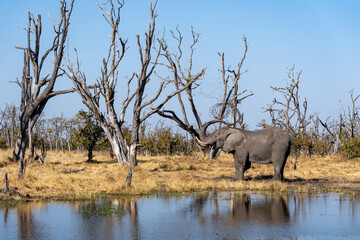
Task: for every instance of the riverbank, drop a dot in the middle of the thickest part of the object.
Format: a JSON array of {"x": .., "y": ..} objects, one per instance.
[{"x": 67, "y": 176}]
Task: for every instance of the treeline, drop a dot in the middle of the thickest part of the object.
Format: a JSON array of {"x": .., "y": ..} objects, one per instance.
[{"x": 82, "y": 133}]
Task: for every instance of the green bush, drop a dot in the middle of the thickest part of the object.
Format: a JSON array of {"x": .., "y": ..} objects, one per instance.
[
  {"x": 311, "y": 145},
  {"x": 322, "y": 147},
  {"x": 351, "y": 148},
  {"x": 303, "y": 144},
  {"x": 88, "y": 133},
  {"x": 3, "y": 143},
  {"x": 163, "y": 141}
]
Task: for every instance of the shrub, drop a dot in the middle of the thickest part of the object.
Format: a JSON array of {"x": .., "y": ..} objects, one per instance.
[
  {"x": 322, "y": 147},
  {"x": 163, "y": 141},
  {"x": 3, "y": 143},
  {"x": 303, "y": 144},
  {"x": 351, "y": 148}
]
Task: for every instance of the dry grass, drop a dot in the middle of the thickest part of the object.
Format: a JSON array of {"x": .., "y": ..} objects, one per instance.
[{"x": 177, "y": 174}]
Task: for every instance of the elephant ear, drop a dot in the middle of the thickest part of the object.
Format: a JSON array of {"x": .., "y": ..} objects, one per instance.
[{"x": 234, "y": 140}]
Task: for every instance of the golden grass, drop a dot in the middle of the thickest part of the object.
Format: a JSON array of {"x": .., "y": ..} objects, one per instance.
[{"x": 175, "y": 174}]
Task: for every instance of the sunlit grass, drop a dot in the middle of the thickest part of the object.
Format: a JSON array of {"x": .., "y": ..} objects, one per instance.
[{"x": 175, "y": 174}]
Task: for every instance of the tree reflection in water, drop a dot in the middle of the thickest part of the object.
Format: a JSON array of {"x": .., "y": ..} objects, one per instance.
[
  {"x": 103, "y": 214},
  {"x": 23, "y": 222}
]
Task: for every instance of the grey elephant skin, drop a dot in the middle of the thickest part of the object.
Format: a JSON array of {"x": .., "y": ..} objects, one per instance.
[{"x": 268, "y": 145}]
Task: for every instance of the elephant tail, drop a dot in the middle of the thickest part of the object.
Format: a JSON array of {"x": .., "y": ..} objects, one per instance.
[
  {"x": 296, "y": 151},
  {"x": 296, "y": 157}
]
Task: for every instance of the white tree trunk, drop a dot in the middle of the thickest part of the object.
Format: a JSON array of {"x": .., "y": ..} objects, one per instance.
[
  {"x": 132, "y": 159},
  {"x": 115, "y": 146}
]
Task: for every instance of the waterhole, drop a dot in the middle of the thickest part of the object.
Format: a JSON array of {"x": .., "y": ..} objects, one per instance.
[{"x": 199, "y": 216}]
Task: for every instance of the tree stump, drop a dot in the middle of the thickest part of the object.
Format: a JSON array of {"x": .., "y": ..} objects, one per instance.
[{"x": 6, "y": 183}]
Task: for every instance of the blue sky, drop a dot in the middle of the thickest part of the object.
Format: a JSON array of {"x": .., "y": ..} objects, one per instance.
[{"x": 321, "y": 37}]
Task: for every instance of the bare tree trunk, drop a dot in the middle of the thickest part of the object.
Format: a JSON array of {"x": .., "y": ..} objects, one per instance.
[
  {"x": 20, "y": 148},
  {"x": 62, "y": 146},
  {"x": 31, "y": 145},
  {"x": 51, "y": 145},
  {"x": 132, "y": 160},
  {"x": 43, "y": 153},
  {"x": 8, "y": 139},
  {"x": 6, "y": 182},
  {"x": 35, "y": 89},
  {"x": 13, "y": 125},
  {"x": 117, "y": 151},
  {"x": 116, "y": 146},
  {"x": 69, "y": 144}
]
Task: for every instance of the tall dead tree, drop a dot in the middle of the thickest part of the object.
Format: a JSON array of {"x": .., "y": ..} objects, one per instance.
[
  {"x": 180, "y": 77},
  {"x": 290, "y": 106},
  {"x": 37, "y": 88},
  {"x": 105, "y": 85},
  {"x": 111, "y": 122},
  {"x": 231, "y": 97},
  {"x": 182, "y": 73},
  {"x": 352, "y": 116}
]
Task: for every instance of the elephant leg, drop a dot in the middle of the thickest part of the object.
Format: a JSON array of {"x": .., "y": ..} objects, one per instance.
[
  {"x": 239, "y": 174},
  {"x": 247, "y": 165},
  {"x": 242, "y": 163},
  {"x": 278, "y": 172},
  {"x": 279, "y": 158},
  {"x": 239, "y": 171}
]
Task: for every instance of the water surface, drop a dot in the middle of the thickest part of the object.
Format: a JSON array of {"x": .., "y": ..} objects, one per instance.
[{"x": 201, "y": 216}]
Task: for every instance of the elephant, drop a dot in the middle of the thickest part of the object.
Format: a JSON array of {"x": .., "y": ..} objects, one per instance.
[{"x": 268, "y": 145}]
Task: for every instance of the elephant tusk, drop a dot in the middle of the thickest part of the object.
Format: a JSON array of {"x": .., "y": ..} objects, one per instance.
[{"x": 201, "y": 143}]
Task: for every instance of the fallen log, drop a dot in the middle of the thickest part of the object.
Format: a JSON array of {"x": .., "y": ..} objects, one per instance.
[{"x": 71, "y": 171}]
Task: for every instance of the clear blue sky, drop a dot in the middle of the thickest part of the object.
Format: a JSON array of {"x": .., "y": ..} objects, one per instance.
[{"x": 321, "y": 37}]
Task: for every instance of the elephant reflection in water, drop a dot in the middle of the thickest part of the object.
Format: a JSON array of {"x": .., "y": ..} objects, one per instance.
[
  {"x": 270, "y": 210},
  {"x": 243, "y": 209}
]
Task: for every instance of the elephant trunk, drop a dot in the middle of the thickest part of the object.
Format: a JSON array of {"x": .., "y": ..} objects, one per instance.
[{"x": 205, "y": 140}]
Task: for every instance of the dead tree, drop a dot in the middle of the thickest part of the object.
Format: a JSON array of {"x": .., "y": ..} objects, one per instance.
[
  {"x": 335, "y": 129},
  {"x": 290, "y": 106},
  {"x": 105, "y": 85},
  {"x": 111, "y": 122},
  {"x": 182, "y": 74},
  {"x": 181, "y": 77},
  {"x": 37, "y": 89},
  {"x": 232, "y": 98},
  {"x": 352, "y": 116}
]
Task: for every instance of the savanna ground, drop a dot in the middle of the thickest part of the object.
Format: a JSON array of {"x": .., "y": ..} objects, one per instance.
[{"x": 174, "y": 174}]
